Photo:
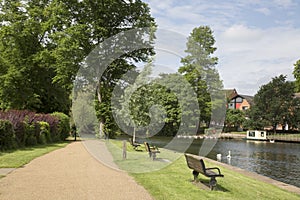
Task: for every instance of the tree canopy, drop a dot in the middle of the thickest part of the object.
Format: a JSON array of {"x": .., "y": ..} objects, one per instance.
[
  {"x": 274, "y": 104},
  {"x": 296, "y": 73},
  {"x": 199, "y": 69},
  {"x": 43, "y": 44}
]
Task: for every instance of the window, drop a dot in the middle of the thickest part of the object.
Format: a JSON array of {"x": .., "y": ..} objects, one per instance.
[
  {"x": 245, "y": 107},
  {"x": 262, "y": 134},
  {"x": 239, "y": 100},
  {"x": 251, "y": 134}
]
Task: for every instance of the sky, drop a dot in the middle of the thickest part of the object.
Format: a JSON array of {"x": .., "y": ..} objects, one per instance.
[{"x": 256, "y": 40}]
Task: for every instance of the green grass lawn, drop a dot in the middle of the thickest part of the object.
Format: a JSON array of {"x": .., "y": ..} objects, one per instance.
[
  {"x": 20, "y": 157},
  {"x": 174, "y": 180},
  {"x": 139, "y": 161}
]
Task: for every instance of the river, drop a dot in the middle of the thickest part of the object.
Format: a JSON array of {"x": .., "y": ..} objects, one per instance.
[{"x": 279, "y": 161}]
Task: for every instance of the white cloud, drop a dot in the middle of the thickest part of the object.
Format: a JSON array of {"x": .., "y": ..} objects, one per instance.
[
  {"x": 265, "y": 11},
  {"x": 249, "y": 55},
  {"x": 241, "y": 34},
  {"x": 284, "y": 3}
]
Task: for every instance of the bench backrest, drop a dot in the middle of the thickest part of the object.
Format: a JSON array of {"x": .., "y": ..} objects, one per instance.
[
  {"x": 147, "y": 146},
  {"x": 195, "y": 162}
]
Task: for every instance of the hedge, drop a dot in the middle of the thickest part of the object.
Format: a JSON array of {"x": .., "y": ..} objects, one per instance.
[
  {"x": 63, "y": 125},
  {"x": 26, "y": 128},
  {"x": 7, "y": 140}
]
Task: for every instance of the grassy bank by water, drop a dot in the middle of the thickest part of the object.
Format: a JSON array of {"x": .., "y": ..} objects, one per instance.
[
  {"x": 174, "y": 181},
  {"x": 20, "y": 157}
]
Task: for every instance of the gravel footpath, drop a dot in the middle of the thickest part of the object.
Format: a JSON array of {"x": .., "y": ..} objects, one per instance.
[{"x": 69, "y": 173}]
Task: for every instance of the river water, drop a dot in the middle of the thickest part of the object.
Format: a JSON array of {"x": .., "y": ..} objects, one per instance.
[{"x": 279, "y": 161}]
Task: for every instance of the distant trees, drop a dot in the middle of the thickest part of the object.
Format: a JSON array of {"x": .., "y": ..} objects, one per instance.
[
  {"x": 296, "y": 73},
  {"x": 234, "y": 118},
  {"x": 274, "y": 104}
]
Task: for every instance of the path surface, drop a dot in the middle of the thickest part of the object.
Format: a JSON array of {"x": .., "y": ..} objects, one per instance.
[{"x": 70, "y": 173}]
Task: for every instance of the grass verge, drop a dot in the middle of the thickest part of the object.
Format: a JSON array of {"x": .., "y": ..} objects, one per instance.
[
  {"x": 139, "y": 161},
  {"x": 20, "y": 157},
  {"x": 174, "y": 181}
]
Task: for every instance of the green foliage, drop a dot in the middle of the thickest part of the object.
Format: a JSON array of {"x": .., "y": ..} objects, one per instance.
[
  {"x": 136, "y": 107},
  {"x": 274, "y": 104},
  {"x": 296, "y": 73},
  {"x": 30, "y": 128},
  {"x": 43, "y": 43},
  {"x": 234, "y": 119},
  {"x": 29, "y": 131},
  {"x": 82, "y": 112},
  {"x": 199, "y": 70},
  {"x": 27, "y": 49},
  {"x": 7, "y": 140},
  {"x": 44, "y": 133},
  {"x": 63, "y": 127},
  {"x": 20, "y": 133}
]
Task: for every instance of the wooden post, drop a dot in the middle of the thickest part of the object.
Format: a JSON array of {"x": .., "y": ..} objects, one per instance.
[{"x": 124, "y": 149}]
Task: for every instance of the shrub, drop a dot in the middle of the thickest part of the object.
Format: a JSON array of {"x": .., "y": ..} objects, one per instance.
[
  {"x": 20, "y": 137},
  {"x": 6, "y": 135},
  {"x": 63, "y": 125},
  {"x": 44, "y": 133},
  {"x": 53, "y": 126},
  {"x": 31, "y": 128},
  {"x": 30, "y": 135}
]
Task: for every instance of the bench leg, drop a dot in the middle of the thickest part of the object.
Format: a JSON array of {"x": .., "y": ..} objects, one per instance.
[
  {"x": 195, "y": 175},
  {"x": 153, "y": 155},
  {"x": 212, "y": 183}
]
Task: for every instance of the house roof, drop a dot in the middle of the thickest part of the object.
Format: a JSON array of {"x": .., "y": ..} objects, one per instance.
[
  {"x": 249, "y": 98},
  {"x": 230, "y": 93}
]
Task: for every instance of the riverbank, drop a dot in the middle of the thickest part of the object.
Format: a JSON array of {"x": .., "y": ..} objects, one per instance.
[
  {"x": 256, "y": 176},
  {"x": 274, "y": 138},
  {"x": 175, "y": 181}
]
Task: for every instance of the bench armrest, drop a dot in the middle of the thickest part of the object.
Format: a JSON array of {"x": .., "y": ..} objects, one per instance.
[
  {"x": 214, "y": 168},
  {"x": 153, "y": 148}
]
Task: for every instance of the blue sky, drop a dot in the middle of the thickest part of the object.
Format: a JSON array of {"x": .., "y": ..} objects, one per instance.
[{"x": 256, "y": 40}]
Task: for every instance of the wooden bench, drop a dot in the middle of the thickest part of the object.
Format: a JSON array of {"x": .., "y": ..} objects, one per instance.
[
  {"x": 151, "y": 150},
  {"x": 196, "y": 163},
  {"x": 134, "y": 144}
]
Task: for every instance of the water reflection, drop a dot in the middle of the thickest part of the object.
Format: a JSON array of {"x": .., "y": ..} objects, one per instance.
[{"x": 279, "y": 161}]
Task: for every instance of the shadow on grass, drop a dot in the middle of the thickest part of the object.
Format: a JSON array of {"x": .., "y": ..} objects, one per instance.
[{"x": 204, "y": 185}]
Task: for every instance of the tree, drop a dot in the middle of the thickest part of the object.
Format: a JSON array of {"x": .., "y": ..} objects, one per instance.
[
  {"x": 234, "y": 118},
  {"x": 27, "y": 45},
  {"x": 111, "y": 18},
  {"x": 273, "y": 104},
  {"x": 296, "y": 73},
  {"x": 199, "y": 70},
  {"x": 131, "y": 108},
  {"x": 44, "y": 43}
]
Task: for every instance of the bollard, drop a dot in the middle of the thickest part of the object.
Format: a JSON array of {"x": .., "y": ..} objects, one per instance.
[{"x": 124, "y": 149}]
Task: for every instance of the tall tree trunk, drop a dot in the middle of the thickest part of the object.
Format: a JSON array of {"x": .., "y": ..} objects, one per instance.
[
  {"x": 101, "y": 123},
  {"x": 133, "y": 137}
]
